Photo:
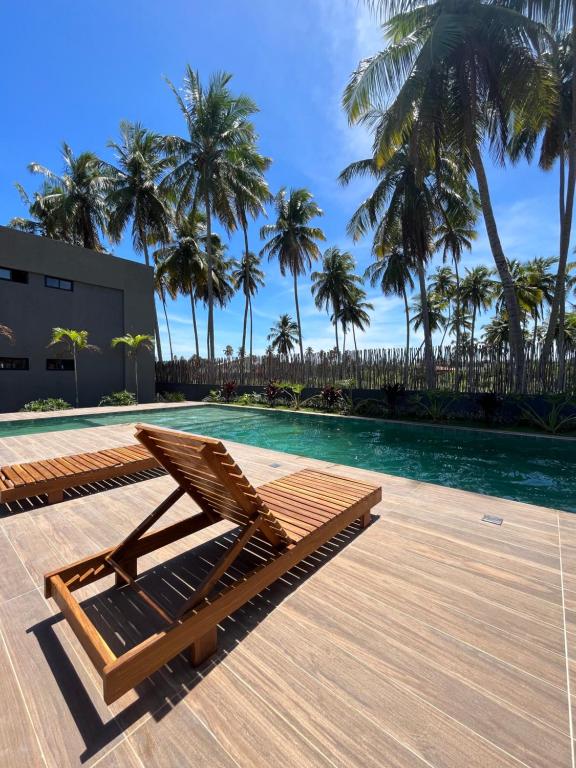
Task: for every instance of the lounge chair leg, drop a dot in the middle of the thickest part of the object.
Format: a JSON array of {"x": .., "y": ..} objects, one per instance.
[
  {"x": 365, "y": 519},
  {"x": 204, "y": 647},
  {"x": 131, "y": 569},
  {"x": 55, "y": 497}
]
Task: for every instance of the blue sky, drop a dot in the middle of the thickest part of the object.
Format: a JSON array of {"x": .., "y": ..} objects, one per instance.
[{"x": 71, "y": 71}]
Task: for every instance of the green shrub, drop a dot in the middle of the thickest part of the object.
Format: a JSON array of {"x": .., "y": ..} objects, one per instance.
[
  {"x": 249, "y": 398},
  {"x": 371, "y": 407},
  {"x": 557, "y": 414},
  {"x": 49, "y": 404},
  {"x": 171, "y": 397},
  {"x": 118, "y": 398},
  {"x": 212, "y": 397}
]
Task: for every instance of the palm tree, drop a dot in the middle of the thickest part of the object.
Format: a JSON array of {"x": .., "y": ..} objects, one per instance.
[
  {"x": 283, "y": 335},
  {"x": 353, "y": 313},
  {"x": 75, "y": 202},
  {"x": 442, "y": 284},
  {"x": 404, "y": 208},
  {"x": 162, "y": 287},
  {"x": 496, "y": 332},
  {"x": 455, "y": 74},
  {"x": 220, "y": 277},
  {"x": 392, "y": 272},
  {"x": 211, "y": 164},
  {"x": 228, "y": 351},
  {"x": 75, "y": 341},
  {"x": 248, "y": 277},
  {"x": 292, "y": 241},
  {"x": 335, "y": 285},
  {"x": 135, "y": 343},
  {"x": 436, "y": 318},
  {"x": 135, "y": 195},
  {"x": 478, "y": 293},
  {"x": 46, "y": 215},
  {"x": 183, "y": 262}
]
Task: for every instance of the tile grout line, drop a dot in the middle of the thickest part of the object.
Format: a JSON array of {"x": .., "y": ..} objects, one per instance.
[{"x": 566, "y": 653}]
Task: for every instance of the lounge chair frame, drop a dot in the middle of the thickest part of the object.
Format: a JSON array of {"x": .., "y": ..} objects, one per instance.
[{"x": 195, "y": 626}]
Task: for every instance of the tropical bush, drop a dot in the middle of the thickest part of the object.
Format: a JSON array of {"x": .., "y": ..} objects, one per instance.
[
  {"x": 272, "y": 392},
  {"x": 212, "y": 397},
  {"x": 331, "y": 397},
  {"x": 228, "y": 391},
  {"x": 394, "y": 394},
  {"x": 118, "y": 398},
  {"x": 170, "y": 397},
  {"x": 250, "y": 398},
  {"x": 48, "y": 404},
  {"x": 558, "y": 414}
]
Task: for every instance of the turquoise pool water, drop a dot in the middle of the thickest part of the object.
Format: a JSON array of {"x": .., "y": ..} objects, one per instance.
[{"x": 532, "y": 469}]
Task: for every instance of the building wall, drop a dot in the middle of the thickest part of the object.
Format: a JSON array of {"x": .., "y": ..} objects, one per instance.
[{"x": 110, "y": 297}]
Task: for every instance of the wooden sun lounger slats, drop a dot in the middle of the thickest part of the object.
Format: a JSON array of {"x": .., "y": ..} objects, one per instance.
[
  {"x": 51, "y": 477},
  {"x": 287, "y": 519}
]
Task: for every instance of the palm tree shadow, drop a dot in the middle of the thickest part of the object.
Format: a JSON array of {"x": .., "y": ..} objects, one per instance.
[{"x": 124, "y": 620}]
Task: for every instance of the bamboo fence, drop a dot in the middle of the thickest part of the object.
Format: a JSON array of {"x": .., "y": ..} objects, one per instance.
[{"x": 484, "y": 369}]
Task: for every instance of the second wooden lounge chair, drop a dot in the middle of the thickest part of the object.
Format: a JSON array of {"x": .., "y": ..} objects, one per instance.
[{"x": 296, "y": 515}]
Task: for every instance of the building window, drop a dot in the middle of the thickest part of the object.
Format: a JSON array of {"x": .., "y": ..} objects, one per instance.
[
  {"x": 14, "y": 364},
  {"x": 14, "y": 275},
  {"x": 55, "y": 364},
  {"x": 57, "y": 282}
]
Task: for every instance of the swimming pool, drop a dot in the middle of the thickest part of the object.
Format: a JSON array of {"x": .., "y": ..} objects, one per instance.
[{"x": 536, "y": 470}]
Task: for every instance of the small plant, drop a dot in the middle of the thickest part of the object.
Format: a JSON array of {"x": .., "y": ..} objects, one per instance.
[
  {"x": 434, "y": 405},
  {"x": 228, "y": 391},
  {"x": 134, "y": 343},
  {"x": 212, "y": 397},
  {"x": 272, "y": 392},
  {"x": 249, "y": 398},
  {"x": 393, "y": 394},
  {"x": 49, "y": 404},
  {"x": 171, "y": 397},
  {"x": 560, "y": 415},
  {"x": 489, "y": 404},
  {"x": 331, "y": 397},
  {"x": 294, "y": 392},
  {"x": 118, "y": 398}
]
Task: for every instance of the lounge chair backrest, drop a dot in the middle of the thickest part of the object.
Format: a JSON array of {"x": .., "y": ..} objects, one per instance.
[{"x": 205, "y": 469}]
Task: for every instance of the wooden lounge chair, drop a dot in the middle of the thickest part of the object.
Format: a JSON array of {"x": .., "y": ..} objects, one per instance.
[
  {"x": 51, "y": 477},
  {"x": 296, "y": 515}
]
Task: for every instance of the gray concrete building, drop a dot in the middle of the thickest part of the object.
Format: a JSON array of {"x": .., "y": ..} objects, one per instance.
[{"x": 45, "y": 283}]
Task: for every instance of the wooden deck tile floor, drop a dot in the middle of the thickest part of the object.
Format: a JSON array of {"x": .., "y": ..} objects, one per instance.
[{"x": 430, "y": 639}]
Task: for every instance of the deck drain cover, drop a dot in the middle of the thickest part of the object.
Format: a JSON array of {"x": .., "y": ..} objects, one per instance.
[
  {"x": 492, "y": 519},
  {"x": 275, "y": 464}
]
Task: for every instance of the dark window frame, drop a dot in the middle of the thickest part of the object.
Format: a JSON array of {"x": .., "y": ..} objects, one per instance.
[
  {"x": 60, "y": 364},
  {"x": 59, "y": 280},
  {"x": 24, "y": 360},
  {"x": 15, "y": 275}
]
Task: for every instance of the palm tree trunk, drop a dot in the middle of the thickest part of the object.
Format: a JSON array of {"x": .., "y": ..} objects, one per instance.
[
  {"x": 337, "y": 343},
  {"x": 471, "y": 361},
  {"x": 407, "y": 355},
  {"x": 251, "y": 334},
  {"x": 458, "y": 328},
  {"x": 194, "y": 324},
  {"x": 428, "y": 351},
  {"x": 156, "y": 328},
  {"x": 209, "y": 280},
  {"x": 510, "y": 298},
  {"x": 246, "y": 294},
  {"x": 298, "y": 317},
  {"x": 163, "y": 297}
]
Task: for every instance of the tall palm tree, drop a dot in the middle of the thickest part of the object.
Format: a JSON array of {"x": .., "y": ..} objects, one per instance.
[
  {"x": 211, "y": 165},
  {"x": 248, "y": 277},
  {"x": 478, "y": 294},
  {"x": 456, "y": 74},
  {"x": 542, "y": 280},
  {"x": 335, "y": 285},
  {"x": 392, "y": 273},
  {"x": 292, "y": 241},
  {"x": 162, "y": 287},
  {"x": 182, "y": 260},
  {"x": 76, "y": 199},
  {"x": 454, "y": 235},
  {"x": 353, "y": 313},
  {"x": 136, "y": 196},
  {"x": 442, "y": 284},
  {"x": 46, "y": 215},
  {"x": 283, "y": 335},
  {"x": 436, "y": 318},
  {"x": 75, "y": 341},
  {"x": 219, "y": 277},
  {"x": 404, "y": 207},
  {"x": 135, "y": 343}
]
